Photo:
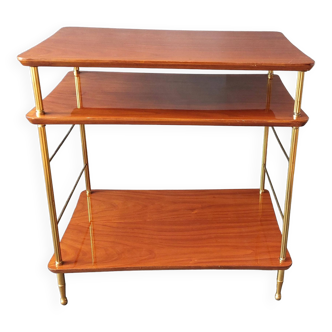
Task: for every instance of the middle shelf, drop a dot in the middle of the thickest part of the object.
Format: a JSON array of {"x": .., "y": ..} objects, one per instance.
[
  {"x": 172, "y": 229},
  {"x": 170, "y": 99}
]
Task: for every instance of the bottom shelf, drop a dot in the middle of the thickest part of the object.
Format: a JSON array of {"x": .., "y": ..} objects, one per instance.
[{"x": 172, "y": 229}]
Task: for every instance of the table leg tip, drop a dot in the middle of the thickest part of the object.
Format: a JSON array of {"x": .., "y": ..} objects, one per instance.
[
  {"x": 278, "y": 296},
  {"x": 64, "y": 301}
]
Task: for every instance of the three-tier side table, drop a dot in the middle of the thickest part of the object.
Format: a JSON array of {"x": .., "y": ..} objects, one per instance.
[{"x": 113, "y": 230}]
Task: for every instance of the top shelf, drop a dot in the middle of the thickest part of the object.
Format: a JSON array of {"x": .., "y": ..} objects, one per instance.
[{"x": 127, "y": 48}]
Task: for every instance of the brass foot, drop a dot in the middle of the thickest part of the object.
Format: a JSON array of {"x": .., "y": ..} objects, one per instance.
[
  {"x": 62, "y": 288},
  {"x": 64, "y": 301},
  {"x": 278, "y": 297},
  {"x": 280, "y": 281}
]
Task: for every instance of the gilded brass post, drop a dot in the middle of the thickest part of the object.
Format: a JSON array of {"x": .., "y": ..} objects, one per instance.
[
  {"x": 289, "y": 192},
  {"x": 51, "y": 208},
  {"x": 62, "y": 288},
  {"x": 50, "y": 193},
  {"x": 269, "y": 89},
  {"x": 290, "y": 180},
  {"x": 85, "y": 160},
  {"x": 82, "y": 129},
  {"x": 48, "y": 181},
  {"x": 270, "y": 75},
  {"x": 280, "y": 281},
  {"x": 266, "y": 135},
  {"x": 298, "y": 96},
  {"x": 291, "y": 166},
  {"x": 78, "y": 87},
  {"x": 47, "y": 168},
  {"x": 37, "y": 91},
  {"x": 266, "y": 131}
]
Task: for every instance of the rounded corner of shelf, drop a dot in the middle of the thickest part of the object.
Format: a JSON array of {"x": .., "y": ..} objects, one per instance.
[
  {"x": 310, "y": 65},
  {"x": 51, "y": 267},
  {"x": 21, "y": 59},
  {"x": 305, "y": 123},
  {"x": 33, "y": 119},
  {"x": 30, "y": 119}
]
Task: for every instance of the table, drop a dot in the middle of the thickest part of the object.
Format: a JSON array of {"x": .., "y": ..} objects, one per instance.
[{"x": 114, "y": 230}]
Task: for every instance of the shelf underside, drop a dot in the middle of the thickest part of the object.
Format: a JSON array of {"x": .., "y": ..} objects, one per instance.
[
  {"x": 175, "y": 229},
  {"x": 170, "y": 99}
]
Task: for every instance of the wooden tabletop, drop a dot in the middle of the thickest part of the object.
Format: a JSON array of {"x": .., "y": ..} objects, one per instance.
[
  {"x": 170, "y": 99},
  {"x": 172, "y": 229},
  {"x": 100, "y": 47}
]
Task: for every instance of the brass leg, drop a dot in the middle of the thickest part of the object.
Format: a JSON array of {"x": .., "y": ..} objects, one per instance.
[
  {"x": 62, "y": 288},
  {"x": 79, "y": 101},
  {"x": 288, "y": 201},
  {"x": 85, "y": 160},
  {"x": 266, "y": 135},
  {"x": 289, "y": 192},
  {"x": 266, "y": 131},
  {"x": 37, "y": 91},
  {"x": 50, "y": 193},
  {"x": 52, "y": 211},
  {"x": 280, "y": 281},
  {"x": 290, "y": 180},
  {"x": 48, "y": 181}
]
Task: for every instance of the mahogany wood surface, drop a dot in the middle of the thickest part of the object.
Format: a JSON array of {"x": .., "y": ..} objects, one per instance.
[
  {"x": 100, "y": 47},
  {"x": 176, "y": 229},
  {"x": 169, "y": 99}
]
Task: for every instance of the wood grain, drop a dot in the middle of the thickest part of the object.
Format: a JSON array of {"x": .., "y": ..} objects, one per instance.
[
  {"x": 176, "y": 229},
  {"x": 169, "y": 99},
  {"x": 95, "y": 47}
]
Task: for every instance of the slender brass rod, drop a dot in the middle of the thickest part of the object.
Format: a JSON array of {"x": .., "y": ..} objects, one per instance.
[
  {"x": 274, "y": 194},
  {"x": 59, "y": 146},
  {"x": 269, "y": 89},
  {"x": 265, "y": 148},
  {"x": 270, "y": 74},
  {"x": 281, "y": 146},
  {"x": 78, "y": 87},
  {"x": 71, "y": 194},
  {"x": 298, "y": 95},
  {"x": 82, "y": 129},
  {"x": 266, "y": 135},
  {"x": 50, "y": 193},
  {"x": 289, "y": 192},
  {"x": 37, "y": 91},
  {"x": 85, "y": 160}
]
